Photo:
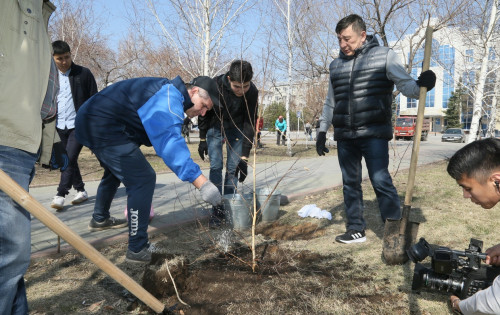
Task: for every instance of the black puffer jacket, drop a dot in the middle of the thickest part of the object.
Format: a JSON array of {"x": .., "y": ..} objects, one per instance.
[
  {"x": 363, "y": 93},
  {"x": 235, "y": 112}
]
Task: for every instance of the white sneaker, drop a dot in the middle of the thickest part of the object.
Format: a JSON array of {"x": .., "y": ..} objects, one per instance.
[
  {"x": 57, "y": 202},
  {"x": 80, "y": 197}
]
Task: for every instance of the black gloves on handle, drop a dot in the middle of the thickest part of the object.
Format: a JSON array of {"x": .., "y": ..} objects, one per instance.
[
  {"x": 242, "y": 169},
  {"x": 320, "y": 144},
  {"x": 427, "y": 79},
  {"x": 203, "y": 149}
]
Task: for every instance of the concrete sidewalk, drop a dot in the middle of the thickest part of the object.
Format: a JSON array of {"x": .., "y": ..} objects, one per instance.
[{"x": 176, "y": 202}]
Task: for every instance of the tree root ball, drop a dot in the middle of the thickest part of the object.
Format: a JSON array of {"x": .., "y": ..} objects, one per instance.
[{"x": 157, "y": 281}]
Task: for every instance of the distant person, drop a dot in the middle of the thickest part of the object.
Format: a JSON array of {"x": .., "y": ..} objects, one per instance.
[
  {"x": 185, "y": 129},
  {"x": 280, "y": 126},
  {"x": 77, "y": 84},
  {"x": 28, "y": 86},
  {"x": 316, "y": 127},
  {"x": 260, "y": 125},
  {"x": 359, "y": 106},
  {"x": 308, "y": 131},
  {"x": 233, "y": 124},
  {"x": 476, "y": 168},
  {"x": 115, "y": 122}
]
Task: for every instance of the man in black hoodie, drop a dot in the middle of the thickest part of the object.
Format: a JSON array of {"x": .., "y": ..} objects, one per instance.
[
  {"x": 233, "y": 124},
  {"x": 358, "y": 105}
]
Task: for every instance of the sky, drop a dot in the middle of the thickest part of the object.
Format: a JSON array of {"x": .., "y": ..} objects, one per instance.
[{"x": 114, "y": 16}]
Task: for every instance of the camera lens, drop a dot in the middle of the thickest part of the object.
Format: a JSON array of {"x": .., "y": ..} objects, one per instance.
[{"x": 419, "y": 251}]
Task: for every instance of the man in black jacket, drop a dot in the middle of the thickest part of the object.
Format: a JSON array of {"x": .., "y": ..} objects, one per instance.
[
  {"x": 233, "y": 124},
  {"x": 77, "y": 84},
  {"x": 358, "y": 105}
]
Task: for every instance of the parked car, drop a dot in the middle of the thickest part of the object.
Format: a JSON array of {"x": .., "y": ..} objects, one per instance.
[{"x": 453, "y": 135}]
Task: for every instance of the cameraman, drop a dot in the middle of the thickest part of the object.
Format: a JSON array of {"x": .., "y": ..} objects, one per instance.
[{"x": 476, "y": 168}]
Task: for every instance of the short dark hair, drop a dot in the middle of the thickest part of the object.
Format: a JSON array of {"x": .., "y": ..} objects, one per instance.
[
  {"x": 60, "y": 47},
  {"x": 476, "y": 160},
  {"x": 358, "y": 25},
  {"x": 240, "y": 71}
]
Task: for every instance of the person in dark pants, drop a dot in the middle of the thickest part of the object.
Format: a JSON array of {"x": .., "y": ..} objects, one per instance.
[
  {"x": 359, "y": 106},
  {"x": 77, "y": 84},
  {"x": 115, "y": 122},
  {"x": 280, "y": 126},
  {"x": 233, "y": 124}
]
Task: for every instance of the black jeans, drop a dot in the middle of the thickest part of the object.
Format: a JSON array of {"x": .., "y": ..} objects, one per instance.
[{"x": 71, "y": 175}]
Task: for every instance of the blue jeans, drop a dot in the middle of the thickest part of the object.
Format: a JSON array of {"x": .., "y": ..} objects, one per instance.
[
  {"x": 234, "y": 140},
  {"x": 376, "y": 154},
  {"x": 126, "y": 164},
  {"x": 15, "y": 232}
]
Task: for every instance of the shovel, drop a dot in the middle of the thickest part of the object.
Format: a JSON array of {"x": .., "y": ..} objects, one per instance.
[
  {"x": 400, "y": 234},
  {"x": 25, "y": 200}
]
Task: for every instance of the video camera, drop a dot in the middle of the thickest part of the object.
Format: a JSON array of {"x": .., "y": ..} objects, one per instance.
[{"x": 457, "y": 272}]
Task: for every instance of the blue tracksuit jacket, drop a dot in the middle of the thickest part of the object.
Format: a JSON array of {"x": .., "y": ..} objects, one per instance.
[{"x": 146, "y": 111}]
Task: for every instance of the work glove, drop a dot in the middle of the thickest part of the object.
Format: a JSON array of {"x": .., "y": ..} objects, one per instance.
[
  {"x": 210, "y": 194},
  {"x": 427, "y": 79},
  {"x": 203, "y": 148},
  {"x": 320, "y": 144},
  {"x": 242, "y": 169}
]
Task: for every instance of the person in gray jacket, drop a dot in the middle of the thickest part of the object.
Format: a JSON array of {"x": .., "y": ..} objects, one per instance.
[
  {"x": 476, "y": 168},
  {"x": 359, "y": 105},
  {"x": 28, "y": 85}
]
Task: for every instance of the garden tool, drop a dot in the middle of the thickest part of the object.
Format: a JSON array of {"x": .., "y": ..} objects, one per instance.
[
  {"x": 399, "y": 235},
  {"x": 25, "y": 200}
]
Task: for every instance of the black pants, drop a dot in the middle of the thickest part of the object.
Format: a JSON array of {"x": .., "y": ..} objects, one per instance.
[
  {"x": 283, "y": 137},
  {"x": 71, "y": 175}
]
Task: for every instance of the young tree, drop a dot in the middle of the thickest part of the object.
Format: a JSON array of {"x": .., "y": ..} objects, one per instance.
[
  {"x": 482, "y": 35},
  {"x": 202, "y": 27}
]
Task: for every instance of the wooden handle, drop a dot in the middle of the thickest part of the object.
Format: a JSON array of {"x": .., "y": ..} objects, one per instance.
[
  {"x": 23, "y": 198},
  {"x": 420, "y": 119}
]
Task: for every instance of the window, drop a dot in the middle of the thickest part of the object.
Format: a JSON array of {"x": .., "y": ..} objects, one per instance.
[{"x": 469, "y": 55}]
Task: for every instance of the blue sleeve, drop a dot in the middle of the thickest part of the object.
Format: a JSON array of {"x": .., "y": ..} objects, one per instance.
[{"x": 162, "y": 116}]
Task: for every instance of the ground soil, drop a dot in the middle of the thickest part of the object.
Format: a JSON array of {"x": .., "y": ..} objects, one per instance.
[{"x": 297, "y": 269}]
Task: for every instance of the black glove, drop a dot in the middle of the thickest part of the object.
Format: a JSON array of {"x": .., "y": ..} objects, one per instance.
[
  {"x": 320, "y": 144},
  {"x": 242, "y": 168},
  {"x": 203, "y": 148},
  {"x": 427, "y": 79}
]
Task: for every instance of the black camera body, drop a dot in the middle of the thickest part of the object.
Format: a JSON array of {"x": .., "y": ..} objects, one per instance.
[{"x": 456, "y": 272}]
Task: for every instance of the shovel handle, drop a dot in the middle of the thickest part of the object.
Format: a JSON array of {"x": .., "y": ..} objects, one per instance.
[
  {"x": 420, "y": 119},
  {"x": 25, "y": 200}
]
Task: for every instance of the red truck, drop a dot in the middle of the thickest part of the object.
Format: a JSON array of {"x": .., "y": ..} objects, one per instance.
[{"x": 406, "y": 127}]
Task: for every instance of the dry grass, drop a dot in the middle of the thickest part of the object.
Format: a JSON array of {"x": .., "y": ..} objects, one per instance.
[{"x": 343, "y": 279}]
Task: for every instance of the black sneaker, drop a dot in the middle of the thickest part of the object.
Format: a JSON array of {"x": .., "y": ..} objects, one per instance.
[
  {"x": 109, "y": 223},
  {"x": 143, "y": 256},
  {"x": 217, "y": 217},
  {"x": 351, "y": 236}
]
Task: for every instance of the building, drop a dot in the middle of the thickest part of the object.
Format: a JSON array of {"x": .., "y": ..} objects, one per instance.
[{"x": 455, "y": 60}]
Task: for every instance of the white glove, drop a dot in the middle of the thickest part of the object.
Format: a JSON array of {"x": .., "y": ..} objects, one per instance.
[{"x": 210, "y": 193}]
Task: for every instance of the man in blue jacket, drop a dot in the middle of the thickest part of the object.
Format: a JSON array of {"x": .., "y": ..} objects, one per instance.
[
  {"x": 115, "y": 122},
  {"x": 358, "y": 105}
]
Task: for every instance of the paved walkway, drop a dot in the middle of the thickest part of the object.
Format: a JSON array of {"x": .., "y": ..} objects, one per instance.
[{"x": 176, "y": 202}]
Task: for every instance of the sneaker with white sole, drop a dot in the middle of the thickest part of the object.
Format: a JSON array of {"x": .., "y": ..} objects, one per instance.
[
  {"x": 351, "y": 236},
  {"x": 80, "y": 197},
  {"x": 109, "y": 223},
  {"x": 57, "y": 203}
]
